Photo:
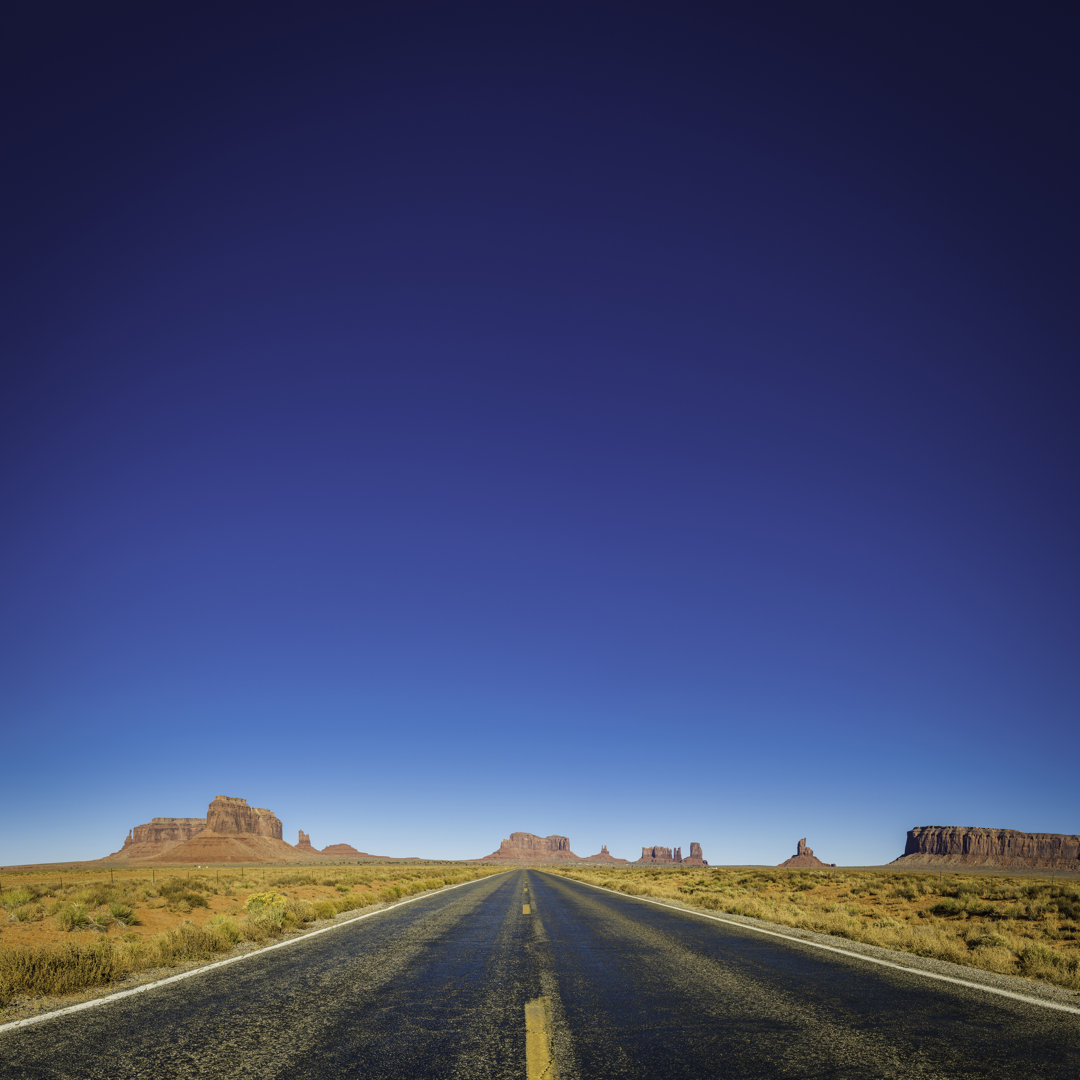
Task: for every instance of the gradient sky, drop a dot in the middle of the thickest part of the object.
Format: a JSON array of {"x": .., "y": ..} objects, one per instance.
[{"x": 433, "y": 421}]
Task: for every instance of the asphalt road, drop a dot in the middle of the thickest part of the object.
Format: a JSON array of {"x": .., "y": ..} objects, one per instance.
[{"x": 529, "y": 975}]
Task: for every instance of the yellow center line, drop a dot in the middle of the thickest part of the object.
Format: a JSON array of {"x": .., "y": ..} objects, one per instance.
[
  {"x": 525, "y": 909},
  {"x": 539, "y": 1063}
]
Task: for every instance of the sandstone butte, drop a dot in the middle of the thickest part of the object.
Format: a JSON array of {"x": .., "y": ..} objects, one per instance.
[
  {"x": 603, "y": 856},
  {"x": 231, "y": 832},
  {"x": 662, "y": 856},
  {"x": 347, "y": 851},
  {"x": 961, "y": 845},
  {"x": 526, "y": 847},
  {"x": 804, "y": 856},
  {"x": 334, "y": 851}
]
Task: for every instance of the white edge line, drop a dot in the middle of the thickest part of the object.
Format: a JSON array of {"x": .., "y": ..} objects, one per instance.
[
  {"x": 145, "y": 987},
  {"x": 843, "y": 952}
]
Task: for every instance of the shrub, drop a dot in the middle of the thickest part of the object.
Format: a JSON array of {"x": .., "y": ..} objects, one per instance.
[
  {"x": 1038, "y": 961},
  {"x": 19, "y": 897},
  {"x": 265, "y": 904},
  {"x": 190, "y": 942},
  {"x": 225, "y": 928},
  {"x": 122, "y": 913},
  {"x": 93, "y": 895},
  {"x": 266, "y": 915},
  {"x": 73, "y": 916},
  {"x": 178, "y": 897},
  {"x": 299, "y": 912},
  {"x": 325, "y": 909},
  {"x": 57, "y": 969}
]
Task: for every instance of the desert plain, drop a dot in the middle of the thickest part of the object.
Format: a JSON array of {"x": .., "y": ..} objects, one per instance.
[{"x": 68, "y": 932}]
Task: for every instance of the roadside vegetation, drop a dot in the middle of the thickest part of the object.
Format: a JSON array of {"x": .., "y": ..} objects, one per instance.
[
  {"x": 64, "y": 931},
  {"x": 1013, "y": 925}
]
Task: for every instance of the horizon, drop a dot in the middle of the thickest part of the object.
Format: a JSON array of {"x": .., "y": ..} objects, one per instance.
[
  {"x": 651, "y": 427},
  {"x": 317, "y": 843}
]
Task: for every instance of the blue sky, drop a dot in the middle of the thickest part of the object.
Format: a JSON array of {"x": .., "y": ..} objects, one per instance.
[{"x": 435, "y": 423}]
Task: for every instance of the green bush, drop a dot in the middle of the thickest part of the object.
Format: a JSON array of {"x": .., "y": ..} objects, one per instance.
[
  {"x": 93, "y": 895},
  {"x": 122, "y": 913},
  {"x": 179, "y": 897},
  {"x": 15, "y": 898},
  {"x": 73, "y": 916}
]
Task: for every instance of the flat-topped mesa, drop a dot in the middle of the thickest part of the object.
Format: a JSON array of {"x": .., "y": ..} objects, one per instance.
[
  {"x": 804, "y": 856},
  {"x": 695, "y": 858},
  {"x": 970, "y": 845},
  {"x": 229, "y": 816},
  {"x": 231, "y": 832},
  {"x": 604, "y": 856},
  {"x": 527, "y": 847},
  {"x": 157, "y": 836}
]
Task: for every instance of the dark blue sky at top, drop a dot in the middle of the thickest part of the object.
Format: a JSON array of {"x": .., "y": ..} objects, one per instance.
[{"x": 431, "y": 421}]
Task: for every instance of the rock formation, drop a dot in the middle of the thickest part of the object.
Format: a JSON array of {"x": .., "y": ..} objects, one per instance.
[
  {"x": 695, "y": 858},
  {"x": 347, "y": 851},
  {"x": 229, "y": 817},
  {"x": 526, "y": 847},
  {"x": 231, "y": 832},
  {"x": 959, "y": 845},
  {"x": 604, "y": 856},
  {"x": 657, "y": 855},
  {"x": 662, "y": 856},
  {"x": 304, "y": 844},
  {"x": 158, "y": 836},
  {"x": 804, "y": 856}
]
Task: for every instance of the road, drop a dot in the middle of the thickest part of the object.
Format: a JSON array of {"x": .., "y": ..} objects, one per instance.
[{"x": 528, "y": 974}]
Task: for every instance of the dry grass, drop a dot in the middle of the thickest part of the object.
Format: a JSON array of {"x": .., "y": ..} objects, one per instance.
[
  {"x": 1016, "y": 925},
  {"x": 65, "y": 931}
]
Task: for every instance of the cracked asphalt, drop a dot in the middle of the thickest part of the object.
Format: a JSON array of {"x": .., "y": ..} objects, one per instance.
[{"x": 438, "y": 988}]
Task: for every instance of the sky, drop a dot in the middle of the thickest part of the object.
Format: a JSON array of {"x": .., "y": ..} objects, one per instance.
[{"x": 434, "y": 421}]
